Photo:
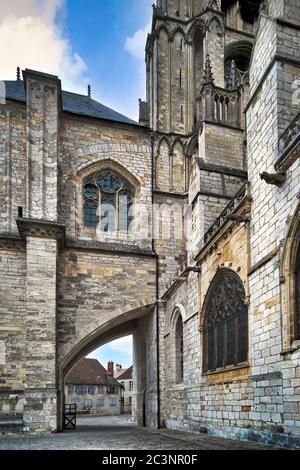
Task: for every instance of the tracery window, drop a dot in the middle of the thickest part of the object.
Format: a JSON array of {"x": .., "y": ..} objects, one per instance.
[
  {"x": 226, "y": 323},
  {"x": 108, "y": 202}
]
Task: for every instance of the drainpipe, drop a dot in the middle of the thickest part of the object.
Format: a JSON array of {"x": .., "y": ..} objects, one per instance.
[{"x": 157, "y": 286}]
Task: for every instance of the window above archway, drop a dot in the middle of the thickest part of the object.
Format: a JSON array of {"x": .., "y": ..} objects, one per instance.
[
  {"x": 108, "y": 200},
  {"x": 226, "y": 323}
]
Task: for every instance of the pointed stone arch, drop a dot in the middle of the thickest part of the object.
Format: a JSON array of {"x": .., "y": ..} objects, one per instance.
[
  {"x": 177, "y": 339},
  {"x": 178, "y": 166},
  {"x": 178, "y": 31},
  {"x": 216, "y": 19},
  {"x": 224, "y": 322},
  {"x": 163, "y": 28},
  {"x": 198, "y": 24},
  {"x": 290, "y": 279},
  {"x": 163, "y": 165}
]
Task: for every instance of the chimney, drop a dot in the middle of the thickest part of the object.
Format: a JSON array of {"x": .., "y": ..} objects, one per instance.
[
  {"x": 144, "y": 113},
  {"x": 110, "y": 368}
]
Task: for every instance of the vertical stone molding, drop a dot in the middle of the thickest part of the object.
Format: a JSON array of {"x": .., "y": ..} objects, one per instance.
[{"x": 43, "y": 106}]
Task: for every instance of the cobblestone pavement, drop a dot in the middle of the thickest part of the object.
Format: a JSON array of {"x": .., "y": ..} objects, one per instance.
[{"x": 117, "y": 433}]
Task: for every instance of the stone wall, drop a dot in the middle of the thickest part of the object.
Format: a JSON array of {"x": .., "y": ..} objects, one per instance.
[
  {"x": 13, "y": 165},
  {"x": 12, "y": 325}
]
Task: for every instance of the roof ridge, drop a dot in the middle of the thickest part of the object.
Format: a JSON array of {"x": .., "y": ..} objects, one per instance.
[{"x": 82, "y": 106}]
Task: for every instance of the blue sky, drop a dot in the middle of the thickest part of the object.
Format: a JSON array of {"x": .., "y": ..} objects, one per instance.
[
  {"x": 100, "y": 42},
  {"x": 98, "y": 31},
  {"x": 119, "y": 351}
]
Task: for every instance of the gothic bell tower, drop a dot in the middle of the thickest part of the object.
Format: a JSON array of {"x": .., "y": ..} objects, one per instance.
[
  {"x": 184, "y": 32},
  {"x": 197, "y": 60}
]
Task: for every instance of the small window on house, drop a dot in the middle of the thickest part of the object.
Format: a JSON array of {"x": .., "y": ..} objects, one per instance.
[
  {"x": 131, "y": 385},
  {"x": 100, "y": 390},
  {"x": 107, "y": 202},
  {"x": 88, "y": 404},
  {"x": 74, "y": 402},
  {"x": 112, "y": 390},
  {"x": 112, "y": 402},
  {"x": 72, "y": 389},
  {"x": 100, "y": 403},
  {"x": 226, "y": 323}
]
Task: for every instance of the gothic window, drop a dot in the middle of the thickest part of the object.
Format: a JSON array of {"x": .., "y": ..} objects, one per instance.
[
  {"x": 297, "y": 279},
  {"x": 108, "y": 201},
  {"x": 226, "y": 323},
  {"x": 179, "y": 349}
]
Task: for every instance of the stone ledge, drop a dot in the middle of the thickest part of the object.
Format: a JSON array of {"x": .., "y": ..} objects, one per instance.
[
  {"x": 41, "y": 229},
  {"x": 114, "y": 248}
]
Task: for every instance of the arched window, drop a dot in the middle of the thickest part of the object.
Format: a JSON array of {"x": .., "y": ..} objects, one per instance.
[
  {"x": 108, "y": 201},
  {"x": 198, "y": 62},
  {"x": 297, "y": 290},
  {"x": 179, "y": 349},
  {"x": 226, "y": 323}
]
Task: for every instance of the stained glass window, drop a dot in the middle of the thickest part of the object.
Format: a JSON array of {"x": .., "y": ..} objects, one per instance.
[
  {"x": 108, "y": 202},
  {"x": 226, "y": 323}
]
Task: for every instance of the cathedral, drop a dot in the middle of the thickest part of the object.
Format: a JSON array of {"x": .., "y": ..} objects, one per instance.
[{"x": 182, "y": 230}]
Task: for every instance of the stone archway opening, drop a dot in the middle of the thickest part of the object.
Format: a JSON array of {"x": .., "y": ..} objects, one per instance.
[{"x": 140, "y": 325}]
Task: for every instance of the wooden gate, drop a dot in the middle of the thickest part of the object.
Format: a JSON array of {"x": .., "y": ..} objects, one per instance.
[{"x": 70, "y": 417}]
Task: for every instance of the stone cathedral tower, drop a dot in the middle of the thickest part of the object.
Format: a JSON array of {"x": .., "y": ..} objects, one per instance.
[{"x": 197, "y": 59}]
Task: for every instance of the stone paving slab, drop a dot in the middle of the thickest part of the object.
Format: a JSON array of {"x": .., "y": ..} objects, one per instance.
[{"x": 117, "y": 433}]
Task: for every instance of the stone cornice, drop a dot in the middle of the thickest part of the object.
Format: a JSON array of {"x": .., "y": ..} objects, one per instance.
[
  {"x": 41, "y": 229},
  {"x": 11, "y": 242},
  {"x": 118, "y": 249}
]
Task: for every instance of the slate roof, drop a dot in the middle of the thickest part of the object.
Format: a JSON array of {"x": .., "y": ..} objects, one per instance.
[
  {"x": 71, "y": 103},
  {"x": 89, "y": 372},
  {"x": 127, "y": 375}
]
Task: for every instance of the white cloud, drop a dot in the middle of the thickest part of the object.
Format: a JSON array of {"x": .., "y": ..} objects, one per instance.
[
  {"x": 122, "y": 345},
  {"x": 31, "y": 37},
  {"x": 135, "y": 44}
]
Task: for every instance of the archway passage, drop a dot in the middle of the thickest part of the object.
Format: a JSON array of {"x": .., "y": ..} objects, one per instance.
[
  {"x": 105, "y": 394},
  {"x": 100, "y": 388}
]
